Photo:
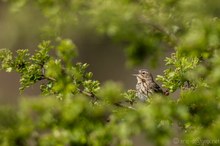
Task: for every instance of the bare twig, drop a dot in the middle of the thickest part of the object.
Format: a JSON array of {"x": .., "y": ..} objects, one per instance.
[
  {"x": 95, "y": 98},
  {"x": 153, "y": 25},
  {"x": 43, "y": 77}
]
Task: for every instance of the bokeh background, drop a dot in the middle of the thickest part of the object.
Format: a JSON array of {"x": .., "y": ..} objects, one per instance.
[
  {"x": 23, "y": 30},
  {"x": 119, "y": 37}
]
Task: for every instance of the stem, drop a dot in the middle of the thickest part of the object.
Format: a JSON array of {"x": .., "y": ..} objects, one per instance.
[{"x": 95, "y": 98}]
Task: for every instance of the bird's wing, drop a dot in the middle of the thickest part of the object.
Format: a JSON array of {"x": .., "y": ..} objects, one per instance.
[{"x": 157, "y": 88}]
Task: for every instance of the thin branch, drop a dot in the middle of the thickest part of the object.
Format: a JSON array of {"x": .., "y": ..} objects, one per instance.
[
  {"x": 88, "y": 94},
  {"x": 123, "y": 106},
  {"x": 95, "y": 98},
  {"x": 159, "y": 28},
  {"x": 43, "y": 77},
  {"x": 153, "y": 25}
]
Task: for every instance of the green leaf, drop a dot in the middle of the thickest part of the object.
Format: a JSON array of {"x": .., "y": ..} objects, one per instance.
[{"x": 66, "y": 50}]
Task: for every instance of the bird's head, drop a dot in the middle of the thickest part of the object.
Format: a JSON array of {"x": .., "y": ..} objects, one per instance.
[{"x": 143, "y": 76}]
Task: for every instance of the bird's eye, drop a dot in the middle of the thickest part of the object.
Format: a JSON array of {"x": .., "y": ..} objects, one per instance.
[{"x": 143, "y": 73}]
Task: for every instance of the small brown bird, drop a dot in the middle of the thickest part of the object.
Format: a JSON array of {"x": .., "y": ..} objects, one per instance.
[{"x": 146, "y": 85}]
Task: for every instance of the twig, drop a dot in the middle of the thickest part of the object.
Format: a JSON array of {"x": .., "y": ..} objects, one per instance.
[
  {"x": 155, "y": 26},
  {"x": 95, "y": 98},
  {"x": 159, "y": 28},
  {"x": 47, "y": 78},
  {"x": 88, "y": 94}
]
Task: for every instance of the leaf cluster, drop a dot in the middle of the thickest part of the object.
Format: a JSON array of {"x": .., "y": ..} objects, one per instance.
[{"x": 60, "y": 75}]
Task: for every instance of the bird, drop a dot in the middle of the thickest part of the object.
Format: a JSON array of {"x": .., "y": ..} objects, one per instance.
[{"x": 146, "y": 86}]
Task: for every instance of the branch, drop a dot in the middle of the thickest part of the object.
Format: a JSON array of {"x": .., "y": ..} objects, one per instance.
[
  {"x": 43, "y": 77},
  {"x": 95, "y": 98},
  {"x": 155, "y": 26},
  {"x": 88, "y": 94},
  {"x": 160, "y": 29}
]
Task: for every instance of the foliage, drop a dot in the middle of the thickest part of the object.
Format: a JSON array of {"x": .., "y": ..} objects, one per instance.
[
  {"x": 62, "y": 77},
  {"x": 93, "y": 114},
  {"x": 175, "y": 77}
]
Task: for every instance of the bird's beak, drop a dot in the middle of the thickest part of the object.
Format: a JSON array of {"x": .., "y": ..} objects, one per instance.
[{"x": 135, "y": 75}]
